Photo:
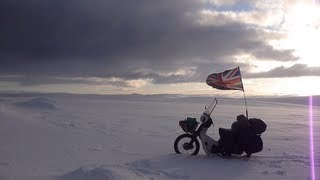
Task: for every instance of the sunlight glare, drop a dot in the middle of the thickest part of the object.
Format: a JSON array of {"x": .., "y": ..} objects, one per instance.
[{"x": 302, "y": 22}]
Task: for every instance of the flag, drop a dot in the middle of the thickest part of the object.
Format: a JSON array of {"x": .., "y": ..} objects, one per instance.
[{"x": 227, "y": 80}]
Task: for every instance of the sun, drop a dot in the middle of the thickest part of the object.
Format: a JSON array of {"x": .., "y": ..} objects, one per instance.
[{"x": 302, "y": 24}]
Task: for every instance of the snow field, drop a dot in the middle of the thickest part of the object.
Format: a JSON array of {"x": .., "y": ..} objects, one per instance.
[{"x": 77, "y": 137}]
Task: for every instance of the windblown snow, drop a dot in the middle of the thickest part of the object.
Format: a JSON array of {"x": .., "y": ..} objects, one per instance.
[{"x": 91, "y": 137}]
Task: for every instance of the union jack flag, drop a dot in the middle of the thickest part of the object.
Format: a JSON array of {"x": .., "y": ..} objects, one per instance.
[{"x": 227, "y": 80}]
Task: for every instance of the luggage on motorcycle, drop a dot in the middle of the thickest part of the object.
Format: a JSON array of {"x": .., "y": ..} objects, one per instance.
[
  {"x": 249, "y": 142},
  {"x": 242, "y": 121},
  {"x": 242, "y": 124},
  {"x": 234, "y": 127},
  {"x": 255, "y": 145},
  {"x": 189, "y": 124},
  {"x": 247, "y": 134},
  {"x": 258, "y": 126},
  {"x": 228, "y": 142}
]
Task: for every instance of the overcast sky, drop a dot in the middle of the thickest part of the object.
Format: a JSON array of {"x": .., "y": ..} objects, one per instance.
[{"x": 152, "y": 46}]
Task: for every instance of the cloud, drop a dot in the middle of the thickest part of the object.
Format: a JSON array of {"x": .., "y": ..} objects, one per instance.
[
  {"x": 296, "y": 70},
  {"x": 61, "y": 41},
  {"x": 231, "y": 2}
]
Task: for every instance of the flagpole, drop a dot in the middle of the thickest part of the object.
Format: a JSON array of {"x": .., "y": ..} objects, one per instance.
[
  {"x": 244, "y": 95},
  {"x": 245, "y": 101}
]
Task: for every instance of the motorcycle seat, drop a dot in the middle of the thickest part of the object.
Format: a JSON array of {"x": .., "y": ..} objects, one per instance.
[{"x": 225, "y": 132}]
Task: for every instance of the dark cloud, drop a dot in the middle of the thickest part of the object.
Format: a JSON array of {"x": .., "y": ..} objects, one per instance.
[
  {"x": 142, "y": 39},
  {"x": 296, "y": 70},
  {"x": 31, "y": 80}
]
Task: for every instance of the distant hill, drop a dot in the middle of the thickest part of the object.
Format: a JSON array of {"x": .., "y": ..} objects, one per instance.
[{"x": 303, "y": 100}]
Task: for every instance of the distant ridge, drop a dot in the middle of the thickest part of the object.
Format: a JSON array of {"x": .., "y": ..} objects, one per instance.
[
  {"x": 37, "y": 102},
  {"x": 302, "y": 100}
]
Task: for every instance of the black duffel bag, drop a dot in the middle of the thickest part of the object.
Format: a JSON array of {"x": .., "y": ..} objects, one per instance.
[{"x": 258, "y": 126}]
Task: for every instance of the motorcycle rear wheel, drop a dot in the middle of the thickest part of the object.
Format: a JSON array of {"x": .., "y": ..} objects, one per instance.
[{"x": 182, "y": 145}]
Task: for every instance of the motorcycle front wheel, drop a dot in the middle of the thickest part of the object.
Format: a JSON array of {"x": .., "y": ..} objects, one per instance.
[{"x": 182, "y": 145}]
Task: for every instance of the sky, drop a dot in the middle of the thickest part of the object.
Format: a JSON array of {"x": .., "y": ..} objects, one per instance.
[{"x": 159, "y": 47}]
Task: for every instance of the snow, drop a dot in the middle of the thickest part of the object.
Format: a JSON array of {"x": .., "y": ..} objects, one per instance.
[
  {"x": 92, "y": 137},
  {"x": 38, "y": 102}
]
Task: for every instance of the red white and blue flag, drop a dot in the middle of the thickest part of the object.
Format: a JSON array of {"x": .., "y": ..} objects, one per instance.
[{"x": 227, "y": 80}]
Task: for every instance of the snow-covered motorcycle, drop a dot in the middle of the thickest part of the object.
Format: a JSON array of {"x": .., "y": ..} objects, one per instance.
[{"x": 244, "y": 135}]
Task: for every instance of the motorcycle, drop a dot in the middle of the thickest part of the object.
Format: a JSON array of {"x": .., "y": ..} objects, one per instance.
[{"x": 244, "y": 135}]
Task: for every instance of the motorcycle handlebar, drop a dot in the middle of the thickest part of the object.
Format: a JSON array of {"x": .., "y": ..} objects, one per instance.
[{"x": 210, "y": 107}]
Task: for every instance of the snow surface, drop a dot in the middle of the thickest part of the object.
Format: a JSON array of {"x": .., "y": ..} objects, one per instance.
[{"x": 90, "y": 137}]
